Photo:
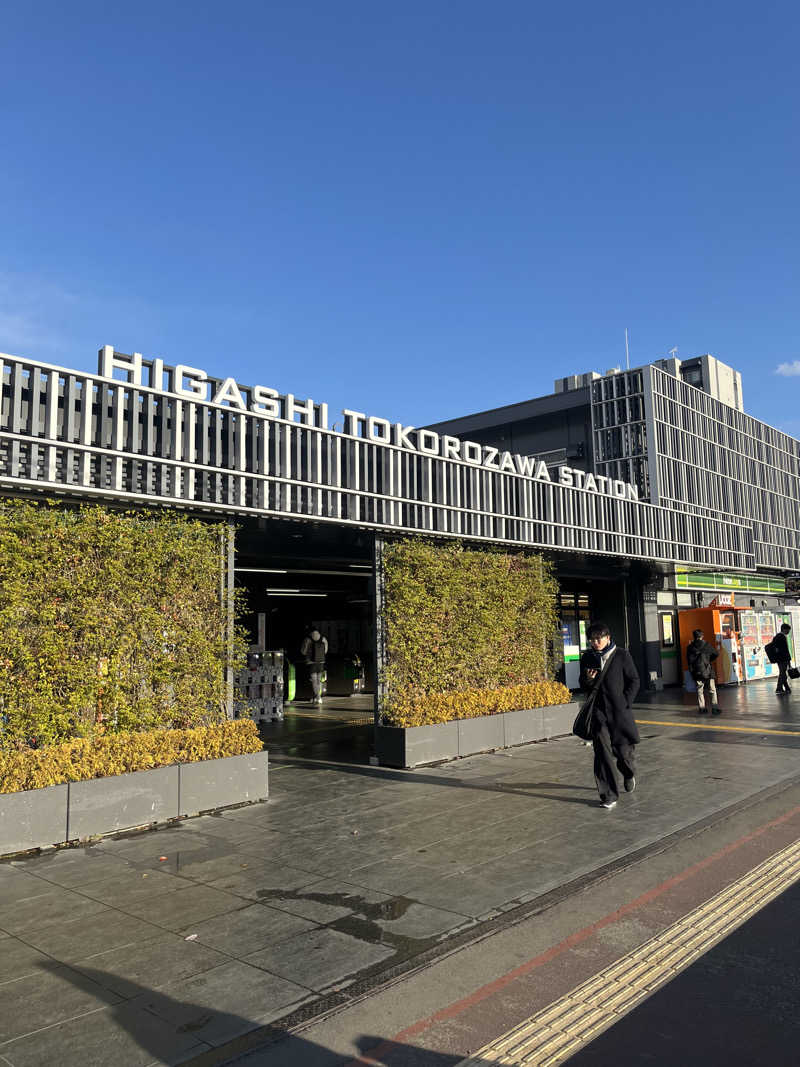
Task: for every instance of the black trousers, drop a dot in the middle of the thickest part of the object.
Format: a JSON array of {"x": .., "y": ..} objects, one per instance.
[
  {"x": 605, "y": 756},
  {"x": 783, "y": 681}
]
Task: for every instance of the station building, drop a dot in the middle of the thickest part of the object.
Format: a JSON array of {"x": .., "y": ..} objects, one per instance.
[
  {"x": 649, "y": 489},
  {"x": 677, "y": 430}
]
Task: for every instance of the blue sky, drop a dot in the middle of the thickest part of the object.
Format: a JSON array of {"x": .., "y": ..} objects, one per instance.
[{"x": 415, "y": 210}]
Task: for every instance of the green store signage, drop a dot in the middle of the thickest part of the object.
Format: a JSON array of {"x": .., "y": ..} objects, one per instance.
[{"x": 721, "y": 582}]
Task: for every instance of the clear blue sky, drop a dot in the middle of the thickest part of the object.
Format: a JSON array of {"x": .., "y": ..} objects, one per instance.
[{"x": 413, "y": 209}]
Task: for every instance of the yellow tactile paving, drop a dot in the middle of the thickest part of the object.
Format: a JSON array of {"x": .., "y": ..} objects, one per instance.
[
  {"x": 559, "y": 1030},
  {"x": 686, "y": 724}
]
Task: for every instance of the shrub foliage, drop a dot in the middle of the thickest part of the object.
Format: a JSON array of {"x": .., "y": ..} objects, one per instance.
[
  {"x": 106, "y": 754},
  {"x": 468, "y": 633},
  {"x": 108, "y": 618},
  {"x": 429, "y": 708}
]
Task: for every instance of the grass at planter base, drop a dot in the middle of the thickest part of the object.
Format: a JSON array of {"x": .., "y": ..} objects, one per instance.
[
  {"x": 427, "y": 709},
  {"x": 107, "y": 754}
]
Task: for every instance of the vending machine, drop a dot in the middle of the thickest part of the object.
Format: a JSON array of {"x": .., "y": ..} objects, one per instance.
[
  {"x": 768, "y": 626},
  {"x": 719, "y": 624},
  {"x": 792, "y": 616},
  {"x": 729, "y": 663},
  {"x": 573, "y": 632},
  {"x": 752, "y": 646}
]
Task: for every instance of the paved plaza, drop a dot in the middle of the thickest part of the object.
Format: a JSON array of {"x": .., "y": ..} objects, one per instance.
[{"x": 161, "y": 946}]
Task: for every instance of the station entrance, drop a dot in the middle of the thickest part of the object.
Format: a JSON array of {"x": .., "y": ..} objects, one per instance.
[{"x": 298, "y": 577}]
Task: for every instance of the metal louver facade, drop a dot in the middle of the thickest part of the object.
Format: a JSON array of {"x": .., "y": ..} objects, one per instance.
[
  {"x": 691, "y": 453},
  {"x": 68, "y": 432}
]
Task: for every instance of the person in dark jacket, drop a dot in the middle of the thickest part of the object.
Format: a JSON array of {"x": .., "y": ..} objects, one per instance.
[
  {"x": 783, "y": 657},
  {"x": 614, "y": 730},
  {"x": 700, "y": 656},
  {"x": 314, "y": 649}
]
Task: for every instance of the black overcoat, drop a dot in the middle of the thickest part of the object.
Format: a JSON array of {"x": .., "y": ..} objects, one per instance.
[
  {"x": 781, "y": 646},
  {"x": 617, "y": 691}
]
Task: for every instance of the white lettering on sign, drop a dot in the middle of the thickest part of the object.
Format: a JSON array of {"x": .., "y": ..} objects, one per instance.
[
  {"x": 196, "y": 384},
  {"x": 597, "y": 483}
]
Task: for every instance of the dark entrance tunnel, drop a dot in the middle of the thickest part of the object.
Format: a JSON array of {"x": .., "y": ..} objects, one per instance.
[{"x": 300, "y": 576}]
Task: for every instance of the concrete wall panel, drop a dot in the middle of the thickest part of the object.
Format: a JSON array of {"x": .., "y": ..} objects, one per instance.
[
  {"x": 222, "y": 782},
  {"x": 103, "y": 805},
  {"x": 33, "y": 818}
]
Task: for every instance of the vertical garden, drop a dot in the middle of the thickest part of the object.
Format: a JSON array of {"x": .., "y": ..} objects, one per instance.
[
  {"x": 468, "y": 633},
  {"x": 111, "y": 625}
]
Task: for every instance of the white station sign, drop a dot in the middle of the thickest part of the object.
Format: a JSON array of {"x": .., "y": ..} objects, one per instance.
[{"x": 192, "y": 383}]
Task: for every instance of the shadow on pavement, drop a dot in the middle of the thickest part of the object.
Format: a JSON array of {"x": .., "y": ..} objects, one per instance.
[
  {"x": 413, "y": 777},
  {"x": 169, "y": 1030}
]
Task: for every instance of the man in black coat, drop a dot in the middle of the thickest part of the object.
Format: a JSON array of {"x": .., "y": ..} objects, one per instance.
[
  {"x": 614, "y": 731},
  {"x": 783, "y": 657}
]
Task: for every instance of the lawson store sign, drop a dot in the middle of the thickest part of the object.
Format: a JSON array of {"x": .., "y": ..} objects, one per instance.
[{"x": 192, "y": 383}]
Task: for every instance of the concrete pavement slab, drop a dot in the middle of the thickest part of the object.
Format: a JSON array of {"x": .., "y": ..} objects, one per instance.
[
  {"x": 132, "y": 884},
  {"x": 239, "y": 933},
  {"x": 319, "y": 959},
  {"x": 18, "y": 959},
  {"x": 178, "y": 911},
  {"x": 326, "y": 900},
  {"x": 420, "y": 922},
  {"x": 53, "y": 906},
  {"x": 219, "y": 1004},
  {"x": 121, "y": 1035},
  {"x": 76, "y": 938},
  {"x": 18, "y": 885},
  {"x": 74, "y": 867},
  {"x": 259, "y": 876},
  {"x": 52, "y": 995},
  {"x": 129, "y": 969}
]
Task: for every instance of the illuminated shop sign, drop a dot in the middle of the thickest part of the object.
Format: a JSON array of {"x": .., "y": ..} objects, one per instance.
[{"x": 192, "y": 383}]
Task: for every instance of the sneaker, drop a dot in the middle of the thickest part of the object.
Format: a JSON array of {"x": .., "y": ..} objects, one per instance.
[
  {"x": 716, "y": 710},
  {"x": 608, "y": 804},
  {"x": 702, "y": 711},
  {"x": 630, "y": 785}
]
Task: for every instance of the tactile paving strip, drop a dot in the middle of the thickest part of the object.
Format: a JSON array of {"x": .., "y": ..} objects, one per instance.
[{"x": 559, "y": 1030}]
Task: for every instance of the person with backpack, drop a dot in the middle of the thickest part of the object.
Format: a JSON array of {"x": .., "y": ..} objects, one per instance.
[
  {"x": 700, "y": 656},
  {"x": 783, "y": 657},
  {"x": 314, "y": 650}
]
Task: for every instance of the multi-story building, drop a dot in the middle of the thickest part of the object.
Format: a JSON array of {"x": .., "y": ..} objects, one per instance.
[{"x": 676, "y": 429}]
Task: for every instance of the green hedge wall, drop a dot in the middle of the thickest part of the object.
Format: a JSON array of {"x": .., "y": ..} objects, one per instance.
[
  {"x": 108, "y": 618},
  {"x": 459, "y": 619}
]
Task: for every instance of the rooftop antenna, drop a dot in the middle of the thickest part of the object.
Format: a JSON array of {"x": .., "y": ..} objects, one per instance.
[
  {"x": 672, "y": 352},
  {"x": 627, "y": 352}
]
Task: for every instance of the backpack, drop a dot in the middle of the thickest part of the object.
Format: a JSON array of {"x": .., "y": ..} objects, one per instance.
[
  {"x": 770, "y": 651},
  {"x": 313, "y": 651}
]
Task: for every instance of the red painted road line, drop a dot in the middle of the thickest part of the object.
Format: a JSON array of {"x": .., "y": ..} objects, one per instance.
[{"x": 372, "y": 1057}]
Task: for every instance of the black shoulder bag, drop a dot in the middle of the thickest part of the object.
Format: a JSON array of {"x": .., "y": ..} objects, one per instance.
[{"x": 582, "y": 727}]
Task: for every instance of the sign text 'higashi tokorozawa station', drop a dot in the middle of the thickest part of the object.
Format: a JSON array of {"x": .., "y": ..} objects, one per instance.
[{"x": 196, "y": 384}]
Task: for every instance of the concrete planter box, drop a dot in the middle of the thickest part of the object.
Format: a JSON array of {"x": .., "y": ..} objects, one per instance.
[
  {"x": 221, "y": 782},
  {"x": 418, "y": 745},
  {"x": 33, "y": 815},
  {"x": 103, "y": 805},
  {"x": 37, "y": 818}
]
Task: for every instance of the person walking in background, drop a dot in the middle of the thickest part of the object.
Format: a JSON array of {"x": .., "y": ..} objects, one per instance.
[
  {"x": 783, "y": 657},
  {"x": 700, "y": 656},
  {"x": 614, "y": 733},
  {"x": 314, "y": 649}
]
